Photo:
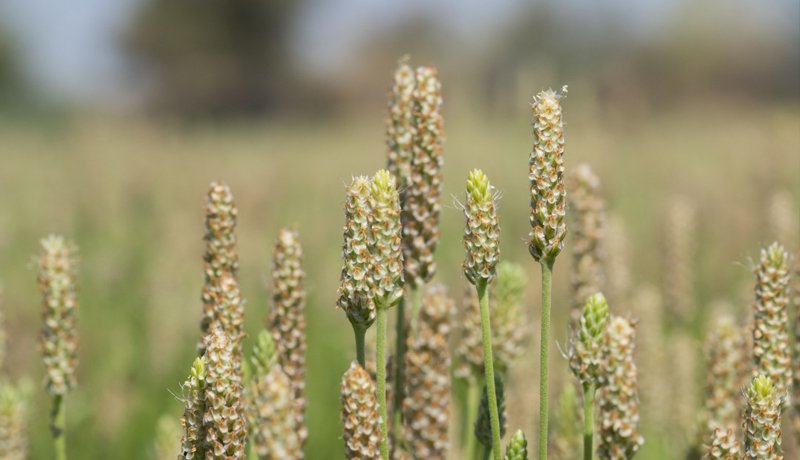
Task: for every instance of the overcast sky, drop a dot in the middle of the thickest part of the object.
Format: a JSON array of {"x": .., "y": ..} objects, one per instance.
[{"x": 71, "y": 48}]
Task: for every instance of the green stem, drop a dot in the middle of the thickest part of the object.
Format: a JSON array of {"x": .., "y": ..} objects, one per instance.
[
  {"x": 360, "y": 333},
  {"x": 588, "y": 421},
  {"x": 486, "y": 453},
  {"x": 399, "y": 353},
  {"x": 381, "y": 368},
  {"x": 473, "y": 400},
  {"x": 544, "y": 356},
  {"x": 488, "y": 364},
  {"x": 57, "y": 425}
]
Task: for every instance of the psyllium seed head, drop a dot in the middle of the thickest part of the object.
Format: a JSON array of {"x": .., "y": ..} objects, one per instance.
[
  {"x": 618, "y": 397},
  {"x": 421, "y": 193},
  {"x": 762, "y": 420},
  {"x": 588, "y": 227},
  {"x": 400, "y": 124},
  {"x": 387, "y": 255},
  {"x": 271, "y": 412},
  {"x": 726, "y": 375},
  {"x": 469, "y": 351},
  {"x": 546, "y": 175},
  {"x": 771, "y": 350},
  {"x": 723, "y": 445},
  {"x": 59, "y": 335},
  {"x": 355, "y": 288},
  {"x": 360, "y": 420},
  {"x": 221, "y": 214},
  {"x": 585, "y": 351},
  {"x": 223, "y": 307},
  {"x": 286, "y": 321},
  {"x": 517, "y": 448},
  {"x": 482, "y": 231},
  {"x": 194, "y": 407},
  {"x": 224, "y": 418},
  {"x": 13, "y": 421}
]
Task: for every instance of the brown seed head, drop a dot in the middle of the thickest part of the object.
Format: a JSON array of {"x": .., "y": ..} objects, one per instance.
[{"x": 360, "y": 420}]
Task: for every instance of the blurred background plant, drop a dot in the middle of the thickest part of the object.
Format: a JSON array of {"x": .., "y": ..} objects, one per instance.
[{"x": 115, "y": 116}]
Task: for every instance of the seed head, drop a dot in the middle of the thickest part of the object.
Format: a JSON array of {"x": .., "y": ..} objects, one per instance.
[
  {"x": 726, "y": 375},
  {"x": 796, "y": 362},
  {"x": 469, "y": 351},
  {"x": 422, "y": 190},
  {"x": 221, "y": 214},
  {"x": 224, "y": 419},
  {"x": 618, "y": 397},
  {"x": 223, "y": 308},
  {"x": 483, "y": 425},
  {"x": 585, "y": 351},
  {"x": 400, "y": 124},
  {"x": 360, "y": 420},
  {"x": 546, "y": 175},
  {"x": 771, "y": 350},
  {"x": 287, "y": 322},
  {"x": 723, "y": 445},
  {"x": 387, "y": 256},
  {"x": 517, "y": 448},
  {"x": 194, "y": 407},
  {"x": 426, "y": 405},
  {"x": 271, "y": 412},
  {"x": 355, "y": 289},
  {"x": 762, "y": 420},
  {"x": 482, "y": 232},
  {"x": 14, "y": 400},
  {"x": 59, "y": 334},
  {"x": 588, "y": 227},
  {"x": 679, "y": 251}
]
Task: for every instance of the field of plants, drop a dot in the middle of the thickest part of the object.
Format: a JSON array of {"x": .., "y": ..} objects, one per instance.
[{"x": 205, "y": 301}]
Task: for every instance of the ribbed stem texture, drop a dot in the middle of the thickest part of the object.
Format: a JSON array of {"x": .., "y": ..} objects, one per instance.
[
  {"x": 762, "y": 420},
  {"x": 360, "y": 420},
  {"x": 544, "y": 357},
  {"x": 618, "y": 398},
  {"x": 287, "y": 321}
]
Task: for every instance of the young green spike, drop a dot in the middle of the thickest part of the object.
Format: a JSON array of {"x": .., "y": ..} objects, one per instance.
[
  {"x": 517, "y": 448},
  {"x": 588, "y": 227},
  {"x": 194, "y": 407},
  {"x": 762, "y": 420},
  {"x": 360, "y": 420},
  {"x": 771, "y": 350},
  {"x": 287, "y": 321},
  {"x": 271, "y": 412}
]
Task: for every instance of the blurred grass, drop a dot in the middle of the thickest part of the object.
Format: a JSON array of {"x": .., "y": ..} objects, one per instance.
[{"x": 130, "y": 193}]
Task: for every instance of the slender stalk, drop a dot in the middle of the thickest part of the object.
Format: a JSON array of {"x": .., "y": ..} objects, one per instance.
[
  {"x": 58, "y": 423},
  {"x": 473, "y": 399},
  {"x": 360, "y": 333},
  {"x": 488, "y": 363},
  {"x": 547, "y": 284},
  {"x": 381, "y": 371},
  {"x": 588, "y": 421},
  {"x": 399, "y": 352}
]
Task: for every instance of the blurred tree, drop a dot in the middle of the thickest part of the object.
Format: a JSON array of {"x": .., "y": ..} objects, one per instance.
[{"x": 216, "y": 57}]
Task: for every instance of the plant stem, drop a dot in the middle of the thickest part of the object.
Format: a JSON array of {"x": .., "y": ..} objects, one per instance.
[
  {"x": 399, "y": 353},
  {"x": 488, "y": 364},
  {"x": 473, "y": 399},
  {"x": 544, "y": 356},
  {"x": 486, "y": 453},
  {"x": 588, "y": 421},
  {"x": 381, "y": 371},
  {"x": 360, "y": 332},
  {"x": 57, "y": 425}
]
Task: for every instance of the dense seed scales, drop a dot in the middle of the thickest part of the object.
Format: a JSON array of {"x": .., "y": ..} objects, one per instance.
[
  {"x": 58, "y": 339},
  {"x": 771, "y": 350},
  {"x": 585, "y": 351},
  {"x": 360, "y": 420},
  {"x": 546, "y": 176},
  {"x": 287, "y": 321},
  {"x": 679, "y": 251},
  {"x": 400, "y": 124},
  {"x": 726, "y": 375},
  {"x": 482, "y": 230},
  {"x": 387, "y": 255},
  {"x": 588, "y": 227},
  {"x": 223, "y": 308},
  {"x": 355, "y": 287},
  {"x": 426, "y": 405},
  {"x": 723, "y": 445},
  {"x": 762, "y": 420},
  {"x": 618, "y": 398},
  {"x": 469, "y": 350},
  {"x": 422, "y": 192},
  {"x": 517, "y": 448},
  {"x": 224, "y": 419},
  {"x": 271, "y": 412},
  {"x": 13, "y": 422}
]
